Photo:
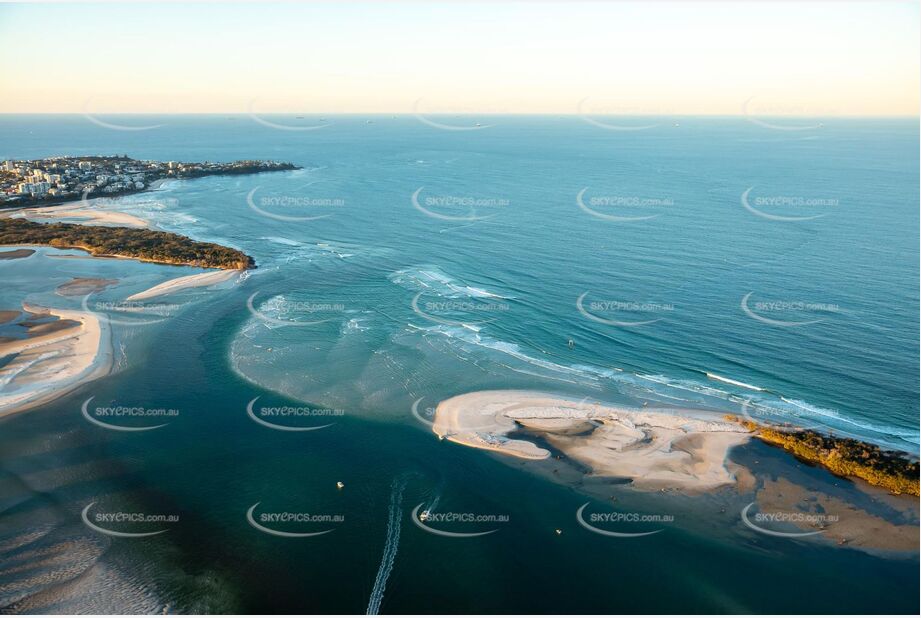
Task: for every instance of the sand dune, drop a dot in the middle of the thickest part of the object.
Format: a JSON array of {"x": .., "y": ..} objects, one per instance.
[{"x": 655, "y": 449}]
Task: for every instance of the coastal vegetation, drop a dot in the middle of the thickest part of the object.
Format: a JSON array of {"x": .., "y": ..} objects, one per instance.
[
  {"x": 891, "y": 470},
  {"x": 141, "y": 244}
]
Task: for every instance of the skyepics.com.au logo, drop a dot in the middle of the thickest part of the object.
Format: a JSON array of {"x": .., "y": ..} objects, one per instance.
[
  {"x": 468, "y": 313},
  {"x": 284, "y": 122},
  {"x": 778, "y": 207},
  {"x": 452, "y": 118},
  {"x": 457, "y": 208},
  {"x": 292, "y": 524},
  {"x": 621, "y": 113},
  {"x": 90, "y": 113},
  {"x": 789, "y": 309},
  {"x": 282, "y": 311},
  {"x": 620, "y": 524},
  {"x": 786, "y": 413},
  {"x": 90, "y": 200},
  {"x": 127, "y": 524},
  {"x": 779, "y": 523},
  {"x": 291, "y": 418},
  {"x": 437, "y": 523},
  {"x": 130, "y": 418},
  {"x": 622, "y": 313},
  {"x": 782, "y": 116},
  {"x": 128, "y": 312},
  {"x": 426, "y": 415},
  {"x": 622, "y": 208},
  {"x": 294, "y": 208}
]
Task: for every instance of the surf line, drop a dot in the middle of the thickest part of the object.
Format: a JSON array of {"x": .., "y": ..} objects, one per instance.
[
  {"x": 390, "y": 546},
  {"x": 744, "y": 385}
]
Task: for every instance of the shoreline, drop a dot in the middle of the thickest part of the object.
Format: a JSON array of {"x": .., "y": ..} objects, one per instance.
[
  {"x": 177, "y": 284},
  {"x": 74, "y": 356},
  {"x": 152, "y": 186},
  {"x": 77, "y": 210},
  {"x": 681, "y": 458},
  {"x": 656, "y": 449},
  {"x": 610, "y": 439},
  {"x": 850, "y": 458},
  {"x": 141, "y": 244}
]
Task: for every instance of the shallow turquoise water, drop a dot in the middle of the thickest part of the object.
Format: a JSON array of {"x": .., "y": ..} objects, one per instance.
[{"x": 496, "y": 286}]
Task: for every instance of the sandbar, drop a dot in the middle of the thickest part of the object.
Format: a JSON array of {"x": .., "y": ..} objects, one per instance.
[
  {"x": 81, "y": 286},
  {"x": 16, "y": 254},
  {"x": 52, "y": 361},
  {"x": 665, "y": 448},
  {"x": 190, "y": 281}
]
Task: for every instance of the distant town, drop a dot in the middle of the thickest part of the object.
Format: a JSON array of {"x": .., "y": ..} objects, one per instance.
[{"x": 57, "y": 179}]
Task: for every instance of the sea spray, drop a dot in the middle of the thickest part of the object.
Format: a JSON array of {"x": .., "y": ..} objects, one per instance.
[{"x": 390, "y": 546}]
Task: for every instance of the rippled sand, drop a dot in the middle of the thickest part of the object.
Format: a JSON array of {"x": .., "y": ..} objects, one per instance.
[{"x": 655, "y": 449}]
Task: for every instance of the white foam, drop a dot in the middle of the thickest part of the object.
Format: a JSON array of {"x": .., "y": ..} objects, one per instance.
[
  {"x": 433, "y": 279},
  {"x": 720, "y": 378},
  {"x": 391, "y": 544}
]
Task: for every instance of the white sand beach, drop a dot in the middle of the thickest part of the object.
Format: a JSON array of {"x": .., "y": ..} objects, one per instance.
[
  {"x": 654, "y": 448},
  {"x": 190, "y": 281},
  {"x": 50, "y": 364},
  {"x": 80, "y": 210}
]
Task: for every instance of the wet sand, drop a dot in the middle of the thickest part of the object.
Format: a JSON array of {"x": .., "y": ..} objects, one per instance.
[
  {"x": 80, "y": 210},
  {"x": 654, "y": 449},
  {"x": 183, "y": 283},
  {"x": 16, "y": 254},
  {"x": 81, "y": 286},
  {"x": 54, "y": 358}
]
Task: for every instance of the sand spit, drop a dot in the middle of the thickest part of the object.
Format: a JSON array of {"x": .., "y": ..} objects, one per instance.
[
  {"x": 190, "y": 281},
  {"x": 654, "y": 448}
]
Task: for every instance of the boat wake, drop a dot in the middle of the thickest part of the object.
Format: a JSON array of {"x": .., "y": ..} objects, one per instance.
[{"x": 391, "y": 544}]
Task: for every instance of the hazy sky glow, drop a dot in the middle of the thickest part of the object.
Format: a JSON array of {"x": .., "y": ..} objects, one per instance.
[{"x": 782, "y": 58}]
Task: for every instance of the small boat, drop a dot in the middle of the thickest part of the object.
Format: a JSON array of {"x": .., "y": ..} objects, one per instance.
[
  {"x": 340, "y": 484},
  {"x": 558, "y": 531},
  {"x": 423, "y": 515}
]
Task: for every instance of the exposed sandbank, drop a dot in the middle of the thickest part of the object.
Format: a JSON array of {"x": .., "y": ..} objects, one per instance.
[
  {"x": 655, "y": 449},
  {"x": 840, "y": 521},
  {"x": 50, "y": 362},
  {"x": 79, "y": 210},
  {"x": 81, "y": 286},
  {"x": 182, "y": 283},
  {"x": 16, "y": 254}
]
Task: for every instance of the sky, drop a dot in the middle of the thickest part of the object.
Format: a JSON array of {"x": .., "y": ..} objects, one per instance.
[{"x": 722, "y": 58}]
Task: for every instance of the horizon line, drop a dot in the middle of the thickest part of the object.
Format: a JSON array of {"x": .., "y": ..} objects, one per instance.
[{"x": 416, "y": 114}]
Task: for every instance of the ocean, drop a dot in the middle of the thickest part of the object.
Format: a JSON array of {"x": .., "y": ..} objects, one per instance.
[{"x": 701, "y": 262}]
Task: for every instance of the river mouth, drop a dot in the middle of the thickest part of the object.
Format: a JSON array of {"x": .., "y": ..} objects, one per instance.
[{"x": 356, "y": 326}]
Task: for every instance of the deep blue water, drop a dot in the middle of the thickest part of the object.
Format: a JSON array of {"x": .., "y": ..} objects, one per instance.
[
  {"x": 496, "y": 270},
  {"x": 845, "y": 283}
]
